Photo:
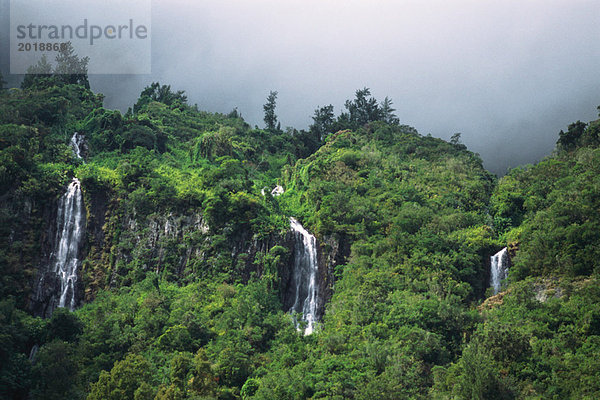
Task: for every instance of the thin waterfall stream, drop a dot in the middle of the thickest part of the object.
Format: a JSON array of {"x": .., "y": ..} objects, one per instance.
[
  {"x": 57, "y": 286},
  {"x": 499, "y": 269},
  {"x": 304, "y": 277},
  {"x": 69, "y": 234}
]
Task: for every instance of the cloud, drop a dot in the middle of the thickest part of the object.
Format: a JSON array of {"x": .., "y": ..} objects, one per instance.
[{"x": 507, "y": 74}]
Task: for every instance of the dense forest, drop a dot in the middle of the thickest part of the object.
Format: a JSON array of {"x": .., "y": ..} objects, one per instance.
[{"x": 183, "y": 284}]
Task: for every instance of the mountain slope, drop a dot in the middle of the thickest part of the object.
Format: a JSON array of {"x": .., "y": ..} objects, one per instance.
[{"x": 187, "y": 260}]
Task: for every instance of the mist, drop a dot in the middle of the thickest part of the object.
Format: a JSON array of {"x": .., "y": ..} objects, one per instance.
[{"x": 507, "y": 75}]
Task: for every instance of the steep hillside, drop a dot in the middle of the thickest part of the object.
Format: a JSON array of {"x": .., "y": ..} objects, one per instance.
[
  {"x": 406, "y": 215},
  {"x": 541, "y": 337},
  {"x": 187, "y": 266}
]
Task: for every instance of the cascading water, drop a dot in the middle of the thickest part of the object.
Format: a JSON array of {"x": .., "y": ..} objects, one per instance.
[
  {"x": 304, "y": 276},
  {"x": 58, "y": 281},
  {"x": 499, "y": 269},
  {"x": 69, "y": 234},
  {"x": 77, "y": 144}
]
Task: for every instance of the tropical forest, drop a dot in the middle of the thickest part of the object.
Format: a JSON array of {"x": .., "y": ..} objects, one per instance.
[{"x": 169, "y": 252}]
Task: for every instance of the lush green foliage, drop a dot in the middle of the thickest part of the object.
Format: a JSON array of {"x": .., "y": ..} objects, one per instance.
[
  {"x": 183, "y": 298},
  {"x": 550, "y": 211},
  {"x": 541, "y": 343},
  {"x": 413, "y": 210}
]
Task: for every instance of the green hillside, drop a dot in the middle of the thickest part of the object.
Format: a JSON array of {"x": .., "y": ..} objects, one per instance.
[{"x": 183, "y": 290}]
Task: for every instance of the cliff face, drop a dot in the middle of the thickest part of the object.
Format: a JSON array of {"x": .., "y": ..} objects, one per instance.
[
  {"x": 120, "y": 246},
  {"x": 28, "y": 233},
  {"x": 39, "y": 229},
  {"x": 32, "y": 237},
  {"x": 160, "y": 241},
  {"x": 330, "y": 252},
  {"x": 123, "y": 246},
  {"x": 334, "y": 251}
]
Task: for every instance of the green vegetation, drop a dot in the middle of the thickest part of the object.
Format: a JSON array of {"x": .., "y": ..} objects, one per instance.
[
  {"x": 413, "y": 210},
  {"x": 184, "y": 255},
  {"x": 550, "y": 210}
]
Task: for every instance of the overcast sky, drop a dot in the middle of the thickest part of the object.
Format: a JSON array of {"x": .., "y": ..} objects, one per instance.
[{"x": 506, "y": 74}]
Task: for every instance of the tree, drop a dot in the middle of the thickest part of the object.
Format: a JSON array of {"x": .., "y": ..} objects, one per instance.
[
  {"x": 180, "y": 367},
  {"x": 203, "y": 380},
  {"x": 323, "y": 122},
  {"x": 270, "y": 117},
  {"x": 455, "y": 139},
  {"x": 572, "y": 138},
  {"x": 2, "y": 81},
  {"x": 234, "y": 113},
  {"x": 123, "y": 381},
  {"x": 387, "y": 112},
  {"x": 38, "y": 75},
  {"x": 475, "y": 376},
  {"x": 592, "y": 134},
  {"x": 363, "y": 109},
  {"x": 64, "y": 325},
  {"x": 139, "y": 135},
  {"x": 56, "y": 371},
  {"x": 71, "y": 68},
  {"x": 162, "y": 94}
]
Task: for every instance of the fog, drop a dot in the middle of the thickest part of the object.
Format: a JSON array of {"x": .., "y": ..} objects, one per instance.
[{"x": 506, "y": 74}]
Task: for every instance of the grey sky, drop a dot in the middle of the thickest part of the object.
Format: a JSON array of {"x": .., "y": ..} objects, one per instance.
[{"x": 507, "y": 74}]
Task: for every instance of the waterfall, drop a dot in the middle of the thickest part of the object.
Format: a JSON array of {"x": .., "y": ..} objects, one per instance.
[
  {"x": 69, "y": 233},
  {"x": 57, "y": 283},
  {"x": 56, "y": 286},
  {"x": 304, "y": 276},
  {"x": 33, "y": 352},
  {"x": 499, "y": 269},
  {"x": 76, "y": 144}
]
